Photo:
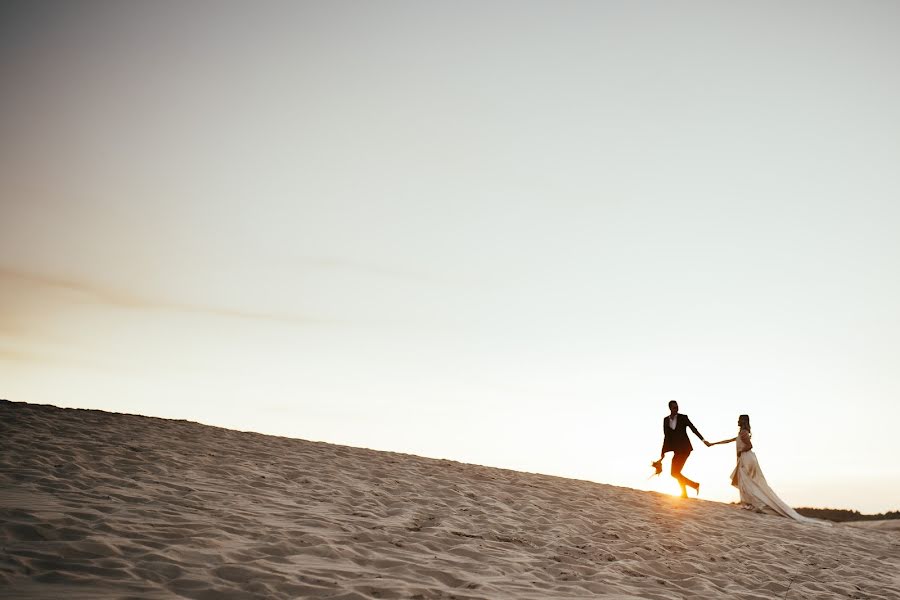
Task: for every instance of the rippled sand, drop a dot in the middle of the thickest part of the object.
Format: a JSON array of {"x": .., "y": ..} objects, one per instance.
[{"x": 100, "y": 505}]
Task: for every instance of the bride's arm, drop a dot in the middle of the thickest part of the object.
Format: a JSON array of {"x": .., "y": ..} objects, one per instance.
[{"x": 723, "y": 442}]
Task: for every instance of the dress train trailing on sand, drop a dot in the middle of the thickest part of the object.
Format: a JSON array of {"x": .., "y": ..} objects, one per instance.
[{"x": 748, "y": 478}]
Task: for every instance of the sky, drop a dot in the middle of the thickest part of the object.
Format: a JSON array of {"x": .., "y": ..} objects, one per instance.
[{"x": 504, "y": 233}]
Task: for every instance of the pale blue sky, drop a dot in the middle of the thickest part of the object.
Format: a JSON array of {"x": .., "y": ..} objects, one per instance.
[{"x": 505, "y": 233}]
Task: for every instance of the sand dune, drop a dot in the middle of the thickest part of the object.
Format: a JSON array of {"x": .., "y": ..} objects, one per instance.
[
  {"x": 101, "y": 505},
  {"x": 885, "y": 525}
]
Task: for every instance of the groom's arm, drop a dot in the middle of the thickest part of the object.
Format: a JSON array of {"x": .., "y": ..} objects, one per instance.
[
  {"x": 662, "y": 451},
  {"x": 697, "y": 433}
]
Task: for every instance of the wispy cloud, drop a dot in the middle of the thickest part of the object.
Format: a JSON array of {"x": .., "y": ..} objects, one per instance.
[
  {"x": 397, "y": 274},
  {"x": 113, "y": 297},
  {"x": 7, "y": 354},
  {"x": 43, "y": 359},
  {"x": 363, "y": 268}
]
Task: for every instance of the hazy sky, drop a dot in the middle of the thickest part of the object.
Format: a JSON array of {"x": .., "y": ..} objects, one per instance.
[{"x": 498, "y": 232}]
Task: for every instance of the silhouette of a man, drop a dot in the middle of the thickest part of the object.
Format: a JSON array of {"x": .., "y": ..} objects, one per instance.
[{"x": 675, "y": 439}]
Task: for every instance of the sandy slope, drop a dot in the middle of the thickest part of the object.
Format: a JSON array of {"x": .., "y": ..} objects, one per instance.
[
  {"x": 886, "y": 525},
  {"x": 100, "y": 505}
]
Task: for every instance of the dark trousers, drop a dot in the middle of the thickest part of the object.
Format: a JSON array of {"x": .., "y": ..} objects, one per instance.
[{"x": 677, "y": 463}]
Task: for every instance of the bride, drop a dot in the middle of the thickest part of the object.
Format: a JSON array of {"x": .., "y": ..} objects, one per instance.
[{"x": 748, "y": 478}]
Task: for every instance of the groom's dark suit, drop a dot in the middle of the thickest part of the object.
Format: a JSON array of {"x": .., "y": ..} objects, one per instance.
[{"x": 676, "y": 440}]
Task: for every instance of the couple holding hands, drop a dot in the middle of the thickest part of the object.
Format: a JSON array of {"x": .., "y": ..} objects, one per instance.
[{"x": 747, "y": 476}]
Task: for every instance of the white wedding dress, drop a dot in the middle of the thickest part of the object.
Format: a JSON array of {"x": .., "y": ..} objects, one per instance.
[{"x": 756, "y": 494}]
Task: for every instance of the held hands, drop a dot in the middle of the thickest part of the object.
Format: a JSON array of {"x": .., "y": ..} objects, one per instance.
[{"x": 708, "y": 444}]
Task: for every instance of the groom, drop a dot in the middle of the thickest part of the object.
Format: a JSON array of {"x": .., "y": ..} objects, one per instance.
[{"x": 675, "y": 439}]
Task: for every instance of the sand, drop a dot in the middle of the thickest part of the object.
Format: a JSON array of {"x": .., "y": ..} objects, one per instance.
[
  {"x": 886, "y": 525},
  {"x": 102, "y": 505}
]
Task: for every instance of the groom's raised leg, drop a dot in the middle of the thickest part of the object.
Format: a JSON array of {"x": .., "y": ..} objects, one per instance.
[{"x": 677, "y": 464}]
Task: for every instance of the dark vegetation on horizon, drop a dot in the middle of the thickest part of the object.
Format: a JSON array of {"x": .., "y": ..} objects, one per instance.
[{"x": 841, "y": 515}]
